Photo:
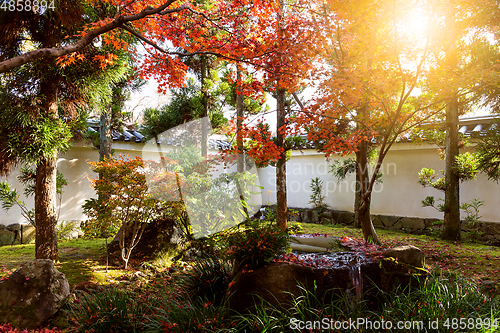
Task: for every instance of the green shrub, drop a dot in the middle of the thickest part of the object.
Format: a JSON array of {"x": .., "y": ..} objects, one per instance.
[
  {"x": 472, "y": 217},
  {"x": 256, "y": 245},
  {"x": 317, "y": 199},
  {"x": 65, "y": 228}
]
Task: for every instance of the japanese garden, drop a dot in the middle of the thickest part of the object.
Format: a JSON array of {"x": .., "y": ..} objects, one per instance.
[{"x": 249, "y": 166}]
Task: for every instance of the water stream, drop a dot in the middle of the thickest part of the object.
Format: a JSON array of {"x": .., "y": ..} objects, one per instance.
[{"x": 337, "y": 260}]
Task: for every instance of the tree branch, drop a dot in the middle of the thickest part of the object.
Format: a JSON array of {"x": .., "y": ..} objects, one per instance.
[{"x": 48, "y": 53}]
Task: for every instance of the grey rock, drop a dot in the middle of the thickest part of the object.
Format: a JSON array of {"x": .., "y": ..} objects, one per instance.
[
  {"x": 413, "y": 222},
  {"x": 377, "y": 221},
  {"x": 32, "y": 294},
  {"x": 388, "y": 220},
  {"x": 429, "y": 223},
  {"x": 6, "y": 237},
  {"x": 14, "y": 227},
  {"x": 491, "y": 228},
  {"x": 407, "y": 254}
]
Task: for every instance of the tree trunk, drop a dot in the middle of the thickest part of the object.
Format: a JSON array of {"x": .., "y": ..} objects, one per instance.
[
  {"x": 239, "y": 121},
  {"x": 204, "y": 119},
  {"x": 240, "y": 167},
  {"x": 105, "y": 136},
  {"x": 281, "y": 202},
  {"x": 369, "y": 233},
  {"x": 451, "y": 228},
  {"x": 45, "y": 187},
  {"x": 363, "y": 216},
  {"x": 45, "y": 209},
  {"x": 357, "y": 196}
]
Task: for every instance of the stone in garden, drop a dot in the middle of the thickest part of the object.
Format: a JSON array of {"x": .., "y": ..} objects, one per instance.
[
  {"x": 491, "y": 228},
  {"x": 6, "y": 237},
  {"x": 32, "y": 294},
  {"x": 159, "y": 235},
  {"x": 334, "y": 274},
  {"x": 325, "y": 241},
  {"x": 407, "y": 254},
  {"x": 278, "y": 283},
  {"x": 413, "y": 222}
]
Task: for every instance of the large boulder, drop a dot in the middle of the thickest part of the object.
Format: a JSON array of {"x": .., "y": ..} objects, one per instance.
[
  {"x": 159, "y": 235},
  {"x": 32, "y": 294}
]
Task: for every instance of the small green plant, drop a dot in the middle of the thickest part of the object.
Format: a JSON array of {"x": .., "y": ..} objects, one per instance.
[
  {"x": 255, "y": 245},
  {"x": 271, "y": 213},
  {"x": 295, "y": 228},
  {"x": 472, "y": 217},
  {"x": 317, "y": 199},
  {"x": 65, "y": 229}
]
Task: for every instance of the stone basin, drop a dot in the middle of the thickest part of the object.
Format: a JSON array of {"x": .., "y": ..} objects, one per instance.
[{"x": 334, "y": 274}]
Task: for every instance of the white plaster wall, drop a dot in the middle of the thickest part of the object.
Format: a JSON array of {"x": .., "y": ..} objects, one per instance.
[
  {"x": 73, "y": 165},
  {"x": 399, "y": 194}
]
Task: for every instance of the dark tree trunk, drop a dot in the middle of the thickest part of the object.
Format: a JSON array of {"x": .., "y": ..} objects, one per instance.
[
  {"x": 451, "y": 228},
  {"x": 363, "y": 216},
  {"x": 357, "y": 196},
  {"x": 45, "y": 209},
  {"x": 240, "y": 168},
  {"x": 281, "y": 202},
  {"x": 105, "y": 135},
  {"x": 204, "y": 123},
  {"x": 45, "y": 187},
  {"x": 239, "y": 121},
  {"x": 369, "y": 233}
]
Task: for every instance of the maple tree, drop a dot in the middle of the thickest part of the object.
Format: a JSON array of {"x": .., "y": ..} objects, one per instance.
[
  {"x": 287, "y": 35},
  {"x": 67, "y": 42},
  {"x": 127, "y": 204},
  {"x": 372, "y": 68},
  {"x": 384, "y": 77}
]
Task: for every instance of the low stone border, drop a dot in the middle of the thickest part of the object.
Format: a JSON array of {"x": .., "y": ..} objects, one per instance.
[
  {"x": 408, "y": 224},
  {"x": 17, "y": 233}
]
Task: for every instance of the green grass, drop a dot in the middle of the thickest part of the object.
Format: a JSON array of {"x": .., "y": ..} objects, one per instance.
[{"x": 80, "y": 260}]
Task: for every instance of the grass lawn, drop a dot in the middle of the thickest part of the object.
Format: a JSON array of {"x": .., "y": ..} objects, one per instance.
[{"x": 82, "y": 260}]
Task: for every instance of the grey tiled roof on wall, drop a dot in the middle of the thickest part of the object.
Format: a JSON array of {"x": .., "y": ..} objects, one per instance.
[
  {"x": 129, "y": 134},
  {"x": 471, "y": 127}
]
